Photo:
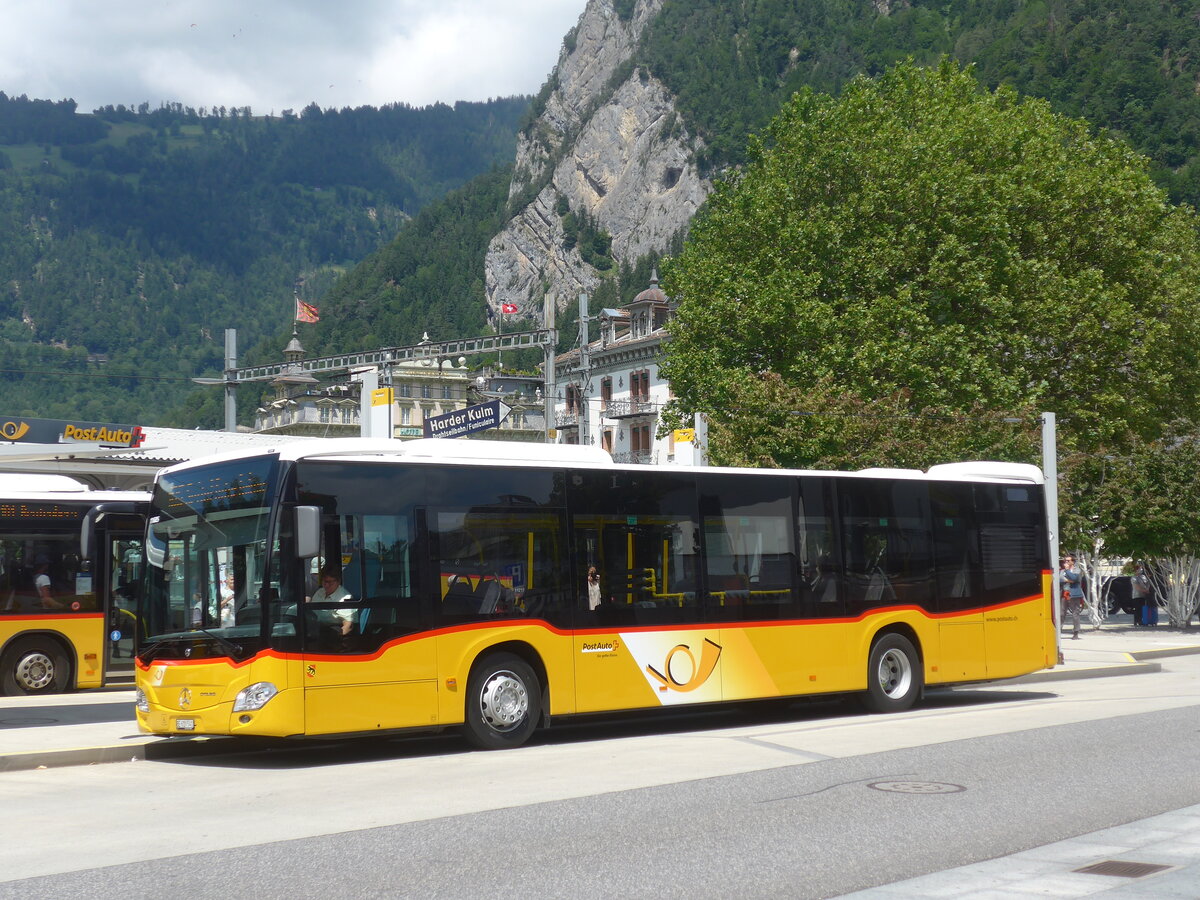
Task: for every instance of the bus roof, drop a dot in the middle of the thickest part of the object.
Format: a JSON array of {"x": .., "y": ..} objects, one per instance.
[
  {"x": 459, "y": 450},
  {"x": 26, "y": 483},
  {"x": 22, "y": 486}
]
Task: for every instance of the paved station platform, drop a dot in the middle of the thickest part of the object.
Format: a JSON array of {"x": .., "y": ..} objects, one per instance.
[{"x": 1155, "y": 857}]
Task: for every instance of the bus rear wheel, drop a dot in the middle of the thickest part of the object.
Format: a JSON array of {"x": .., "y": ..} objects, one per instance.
[
  {"x": 894, "y": 675},
  {"x": 34, "y": 666},
  {"x": 504, "y": 702}
]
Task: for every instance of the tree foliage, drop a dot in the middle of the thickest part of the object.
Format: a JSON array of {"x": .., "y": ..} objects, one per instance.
[
  {"x": 1149, "y": 497},
  {"x": 824, "y": 426},
  {"x": 948, "y": 247}
]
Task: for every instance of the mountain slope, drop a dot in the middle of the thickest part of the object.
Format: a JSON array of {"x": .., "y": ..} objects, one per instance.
[{"x": 130, "y": 239}]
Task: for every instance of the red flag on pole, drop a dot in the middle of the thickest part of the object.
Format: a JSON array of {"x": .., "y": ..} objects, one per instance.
[
  {"x": 306, "y": 312},
  {"x": 507, "y": 308}
]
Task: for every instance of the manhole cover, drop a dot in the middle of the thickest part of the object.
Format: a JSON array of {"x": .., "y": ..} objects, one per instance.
[
  {"x": 916, "y": 787},
  {"x": 1122, "y": 868},
  {"x": 25, "y": 723}
]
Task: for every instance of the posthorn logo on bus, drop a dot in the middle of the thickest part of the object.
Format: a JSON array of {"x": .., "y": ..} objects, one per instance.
[{"x": 680, "y": 671}]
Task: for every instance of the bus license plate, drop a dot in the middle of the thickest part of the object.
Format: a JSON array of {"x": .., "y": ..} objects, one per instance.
[{"x": 185, "y": 724}]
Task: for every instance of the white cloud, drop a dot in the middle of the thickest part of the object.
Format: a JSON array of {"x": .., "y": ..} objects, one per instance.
[{"x": 272, "y": 55}]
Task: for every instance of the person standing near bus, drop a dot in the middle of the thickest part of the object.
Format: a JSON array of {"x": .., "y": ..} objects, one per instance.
[
  {"x": 1139, "y": 588},
  {"x": 1073, "y": 593}
]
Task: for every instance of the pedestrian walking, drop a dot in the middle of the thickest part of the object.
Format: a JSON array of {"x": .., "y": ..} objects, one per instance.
[{"x": 1072, "y": 594}]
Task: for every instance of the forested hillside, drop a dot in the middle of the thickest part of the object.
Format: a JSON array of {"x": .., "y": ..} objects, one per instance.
[
  {"x": 130, "y": 238},
  {"x": 1131, "y": 66}
]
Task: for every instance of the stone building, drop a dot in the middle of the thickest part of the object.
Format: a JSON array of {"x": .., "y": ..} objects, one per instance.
[
  {"x": 611, "y": 393},
  {"x": 420, "y": 389}
]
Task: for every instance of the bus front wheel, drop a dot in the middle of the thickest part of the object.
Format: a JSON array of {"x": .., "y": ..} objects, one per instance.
[
  {"x": 504, "y": 703},
  {"x": 34, "y": 666},
  {"x": 894, "y": 675}
]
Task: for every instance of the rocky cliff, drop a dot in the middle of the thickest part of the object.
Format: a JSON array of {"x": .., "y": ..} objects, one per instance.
[{"x": 609, "y": 143}]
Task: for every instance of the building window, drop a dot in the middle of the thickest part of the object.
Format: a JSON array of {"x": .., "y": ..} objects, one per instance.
[
  {"x": 639, "y": 386},
  {"x": 405, "y": 390},
  {"x": 605, "y": 392},
  {"x": 426, "y": 392},
  {"x": 405, "y": 415},
  {"x": 606, "y": 439},
  {"x": 639, "y": 439}
]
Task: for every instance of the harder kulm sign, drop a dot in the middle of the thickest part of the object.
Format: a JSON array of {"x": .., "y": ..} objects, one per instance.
[
  {"x": 60, "y": 431},
  {"x": 467, "y": 421}
]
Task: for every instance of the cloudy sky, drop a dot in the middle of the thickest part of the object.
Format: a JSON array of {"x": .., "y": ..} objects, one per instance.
[{"x": 273, "y": 55}]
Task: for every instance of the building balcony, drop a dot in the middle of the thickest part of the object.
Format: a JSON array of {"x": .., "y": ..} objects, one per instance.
[
  {"x": 627, "y": 409},
  {"x": 568, "y": 419},
  {"x": 635, "y": 457},
  {"x": 308, "y": 419}
]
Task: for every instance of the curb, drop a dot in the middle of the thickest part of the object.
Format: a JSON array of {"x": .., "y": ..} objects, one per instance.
[
  {"x": 164, "y": 749},
  {"x": 1168, "y": 651},
  {"x": 1062, "y": 674}
]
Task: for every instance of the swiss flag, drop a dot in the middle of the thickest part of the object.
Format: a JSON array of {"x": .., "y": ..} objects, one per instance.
[{"x": 507, "y": 308}]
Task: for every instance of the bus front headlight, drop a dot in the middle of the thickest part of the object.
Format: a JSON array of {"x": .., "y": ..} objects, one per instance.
[
  {"x": 256, "y": 696},
  {"x": 140, "y": 701}
]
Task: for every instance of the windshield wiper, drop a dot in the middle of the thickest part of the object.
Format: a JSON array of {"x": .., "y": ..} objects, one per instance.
[
  {"x": 234, "y": 650},
  {"x": 148, "y": 651}
]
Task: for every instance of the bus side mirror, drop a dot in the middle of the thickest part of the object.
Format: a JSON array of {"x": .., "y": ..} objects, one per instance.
[{"x": 308, "y": 531}]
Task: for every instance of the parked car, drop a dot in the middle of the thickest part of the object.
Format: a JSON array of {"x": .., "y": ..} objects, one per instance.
[{"x": 1117, "y": 594}]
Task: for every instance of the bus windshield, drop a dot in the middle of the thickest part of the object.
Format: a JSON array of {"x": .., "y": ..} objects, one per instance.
[{"x": 208, "y": 558}]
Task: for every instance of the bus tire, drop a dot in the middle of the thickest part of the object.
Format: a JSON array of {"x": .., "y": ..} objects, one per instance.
[
  {"x": 894, "y": 675},
  {"x": 504, "y": 702},
  {"x": 34, "y": 665}
]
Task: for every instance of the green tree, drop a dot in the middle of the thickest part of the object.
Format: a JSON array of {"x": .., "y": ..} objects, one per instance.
[
  {"x": 1150, "y": 496},
  {"x": 951, "y": 248},
  {"x": 1149, "y": 503}
]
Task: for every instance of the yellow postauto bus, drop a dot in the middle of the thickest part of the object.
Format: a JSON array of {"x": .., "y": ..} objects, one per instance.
[
  {"x": 67, "y": 616},
  {"x": 358, "y": 586}
]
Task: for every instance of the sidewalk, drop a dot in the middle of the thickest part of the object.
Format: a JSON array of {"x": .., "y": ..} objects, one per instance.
[
  {"x": 1151, "y": 859},
  {"x": 98, "y": 726}
]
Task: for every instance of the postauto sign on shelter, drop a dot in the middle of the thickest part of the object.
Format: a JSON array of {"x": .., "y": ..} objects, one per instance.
[{"x": 61, "y": 431}]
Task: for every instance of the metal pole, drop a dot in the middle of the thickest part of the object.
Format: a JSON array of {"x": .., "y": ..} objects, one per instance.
[
  {"x": 549, "y": 382},
  {"x": 231, "y": 379},
  {"x": 583, "y": 369},
  {"x": 1050, "y": 471}
]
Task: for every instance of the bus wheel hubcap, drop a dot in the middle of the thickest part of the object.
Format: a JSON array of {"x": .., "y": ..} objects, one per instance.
[
  {"x": 504, "y": 701},
  {"x": 895, "y": 673},
  {"x": 35, "y": 671}
]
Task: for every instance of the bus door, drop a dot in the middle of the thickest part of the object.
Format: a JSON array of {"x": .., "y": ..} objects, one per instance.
[
  {"x": 111, "y": 568},
  {"x": 363, "y": 671},
  {"x": 630, "y": 650},
  {"x": 120, "y": 576}
]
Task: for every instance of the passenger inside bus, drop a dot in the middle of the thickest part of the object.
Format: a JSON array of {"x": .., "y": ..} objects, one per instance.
[{"x": 41, "y": 581}]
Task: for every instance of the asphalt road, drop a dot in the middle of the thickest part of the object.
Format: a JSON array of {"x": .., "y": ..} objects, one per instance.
[{"x": 773, "y": 802}]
